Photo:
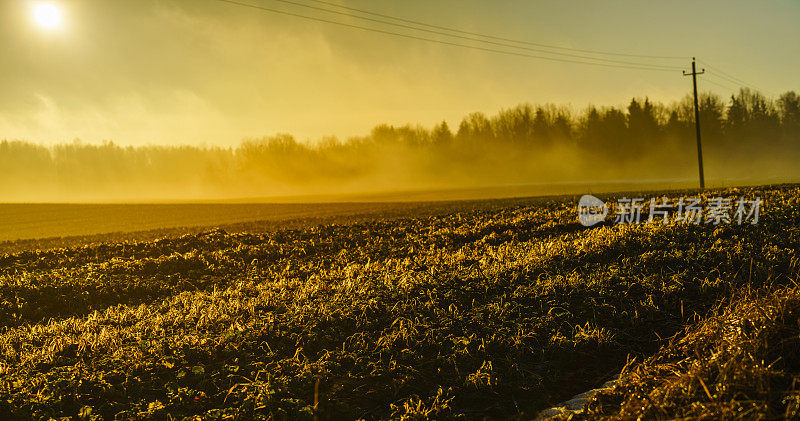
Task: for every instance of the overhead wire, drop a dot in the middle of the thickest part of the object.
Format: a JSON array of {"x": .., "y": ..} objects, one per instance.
[
  {"x": 495, "y": 37},
  {"x": 471, "y": 38},
  {"x": 707, "y": 64},
  {"x": 432, "y": 40},
  {"x": 721, "y": 85},
  {"x": 719, "y": 75},
  {"x": 730, "y": 78},
  {"x": 723, "y": 78}
]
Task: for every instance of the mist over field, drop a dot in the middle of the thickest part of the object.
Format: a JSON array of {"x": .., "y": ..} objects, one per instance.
[
  {"x": 399, "y": 210},
  {"x": 747, "y": 137}
]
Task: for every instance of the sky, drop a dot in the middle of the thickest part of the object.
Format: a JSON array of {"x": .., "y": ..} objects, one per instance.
[{"x": 206, "y": 72}]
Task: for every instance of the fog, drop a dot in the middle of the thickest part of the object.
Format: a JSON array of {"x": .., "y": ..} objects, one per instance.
[{"x": 746, "y": 138}]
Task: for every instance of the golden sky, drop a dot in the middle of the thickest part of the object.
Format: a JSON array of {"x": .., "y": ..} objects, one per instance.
[{"x": 206, "y": 72}]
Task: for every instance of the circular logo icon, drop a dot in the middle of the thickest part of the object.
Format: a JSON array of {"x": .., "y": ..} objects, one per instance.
[{"x": 591, "y": 210}]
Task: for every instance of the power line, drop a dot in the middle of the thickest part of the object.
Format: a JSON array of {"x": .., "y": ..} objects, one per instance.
[
  {"x": 720, "y": 85},
  {"x": 494, "y": 37},
  {"x": 731, "y": 80},
  {"x": 729, "y": 77},
  {"x": 472, "y": 47},
  {"x": 724, "y": 73},
  {"x": 501, "y": 44}
]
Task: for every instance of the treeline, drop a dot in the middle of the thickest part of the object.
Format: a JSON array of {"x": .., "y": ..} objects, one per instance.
[{"x": 747, "y": 136}]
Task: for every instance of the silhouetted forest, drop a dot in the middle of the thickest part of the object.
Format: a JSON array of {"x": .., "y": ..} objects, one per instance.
[{"x": 746, "y": 137}]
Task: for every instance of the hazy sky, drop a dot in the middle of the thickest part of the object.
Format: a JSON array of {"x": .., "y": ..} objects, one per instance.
[{"x": 203, "y": 71}]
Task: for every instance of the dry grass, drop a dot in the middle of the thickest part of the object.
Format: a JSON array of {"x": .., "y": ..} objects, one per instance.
[
  {"x": 485, "y": 313},
  {"x": 741, "y": 363}
]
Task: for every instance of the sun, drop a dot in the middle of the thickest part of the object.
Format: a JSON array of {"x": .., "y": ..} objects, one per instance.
[{"x": 47, "y": 15}]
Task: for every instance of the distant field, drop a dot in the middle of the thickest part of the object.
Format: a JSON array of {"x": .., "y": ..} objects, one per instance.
[
  {"x": 26, "y": 226},
  {"x": 25, "y": 221},
  {"x": 498, "y": 311},
  {"x": 46, "y": 220}
]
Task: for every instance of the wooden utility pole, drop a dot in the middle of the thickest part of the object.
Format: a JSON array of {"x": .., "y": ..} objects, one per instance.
[{"x": 697, "y": 121}]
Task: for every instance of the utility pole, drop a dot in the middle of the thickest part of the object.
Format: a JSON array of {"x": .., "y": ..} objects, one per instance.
[{"x": 697, "y": 121}]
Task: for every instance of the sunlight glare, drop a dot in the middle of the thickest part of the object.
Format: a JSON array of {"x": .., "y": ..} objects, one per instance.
[{"x": 47, "y": 15}]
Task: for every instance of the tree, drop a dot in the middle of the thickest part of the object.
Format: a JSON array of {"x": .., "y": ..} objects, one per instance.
[
  {"x": 515, "y": 125},
  {"x": 441, "y": 134},
  {"x": 605, "y": 132},
  {"x": 547, "y": 125},
  {"x": 475, "y": 129},
  {"x": 789, "y": 110},
  {"x": 712, "y": 111},
  {"x": 642, "y": 125}
]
